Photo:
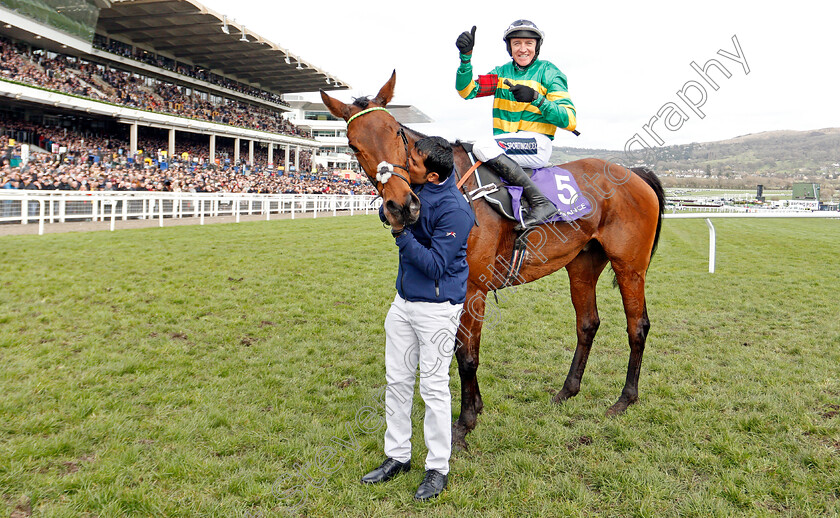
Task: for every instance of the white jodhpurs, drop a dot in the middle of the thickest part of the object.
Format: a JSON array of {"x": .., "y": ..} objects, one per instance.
[
  {"x": 420, "y": 334},
  {"x": 526, "y": 148}
]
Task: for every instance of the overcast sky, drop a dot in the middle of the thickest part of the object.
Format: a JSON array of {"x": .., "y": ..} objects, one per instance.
[{"x": 625, "y": 61}]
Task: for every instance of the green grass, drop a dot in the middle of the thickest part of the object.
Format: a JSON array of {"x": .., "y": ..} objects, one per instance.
[{"x": 225, "y": 370}]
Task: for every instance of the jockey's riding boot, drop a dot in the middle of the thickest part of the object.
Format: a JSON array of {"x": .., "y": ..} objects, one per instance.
[{"x": 512, "y": 173}]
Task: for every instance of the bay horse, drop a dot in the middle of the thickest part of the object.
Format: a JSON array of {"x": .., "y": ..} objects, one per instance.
[{"x": 622, "y": 230}]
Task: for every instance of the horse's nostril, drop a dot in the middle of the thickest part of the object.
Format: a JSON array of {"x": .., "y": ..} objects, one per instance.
[{"x": 413, "y": 203}]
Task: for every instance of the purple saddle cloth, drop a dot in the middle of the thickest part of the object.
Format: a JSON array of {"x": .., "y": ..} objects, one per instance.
[{"x": 560, "y": 187}]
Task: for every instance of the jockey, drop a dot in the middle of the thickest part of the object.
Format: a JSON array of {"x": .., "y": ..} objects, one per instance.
[{"x": 531, "y": 102}]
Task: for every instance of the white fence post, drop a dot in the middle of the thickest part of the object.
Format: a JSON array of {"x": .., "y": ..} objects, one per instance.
[
  {"x": 41, "y": 218},
  {"x": 113, "y": 214},
  {"x": 711, "y": 245}
]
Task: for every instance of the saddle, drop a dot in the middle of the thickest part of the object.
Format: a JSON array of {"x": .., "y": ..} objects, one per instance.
[
  {"x": 491, "y": 187},
  {"x": 556, "y": 183}
]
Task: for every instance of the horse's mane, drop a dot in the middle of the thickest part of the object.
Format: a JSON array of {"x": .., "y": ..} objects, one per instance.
[
  {"x": 413, "y": 133},
  {"x": 364, "y": 102}
]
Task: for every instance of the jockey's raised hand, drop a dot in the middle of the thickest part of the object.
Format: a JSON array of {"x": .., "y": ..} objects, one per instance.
[{"x": 466, "y": 42}]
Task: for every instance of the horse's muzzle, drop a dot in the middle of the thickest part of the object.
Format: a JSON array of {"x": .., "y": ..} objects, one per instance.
[{"x": 406, "y": 213}]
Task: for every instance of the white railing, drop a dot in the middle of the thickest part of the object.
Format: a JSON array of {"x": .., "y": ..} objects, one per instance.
[
  {"x": 765, "y": 213},
  {"x": 41, "y": 207},
  {"x": 682, "y": 209}
]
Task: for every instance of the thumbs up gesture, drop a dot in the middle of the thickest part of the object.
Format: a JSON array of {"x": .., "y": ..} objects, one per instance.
[{"x": 466, "y": 41}]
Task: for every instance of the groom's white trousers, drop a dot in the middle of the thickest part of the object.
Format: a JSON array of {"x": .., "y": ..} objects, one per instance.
[{"x": 420, "y": 334}]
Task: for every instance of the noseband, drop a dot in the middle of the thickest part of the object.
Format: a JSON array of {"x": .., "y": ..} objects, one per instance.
[{"x": 386, "y": 169}]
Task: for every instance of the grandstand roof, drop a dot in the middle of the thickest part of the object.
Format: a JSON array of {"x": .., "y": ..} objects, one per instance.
[
  {"x": 190, "y": 31},
  {"x": 404, "y": 113}
]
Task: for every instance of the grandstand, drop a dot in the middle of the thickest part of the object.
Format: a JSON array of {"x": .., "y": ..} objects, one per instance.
[{"x": 170, "y": 74}]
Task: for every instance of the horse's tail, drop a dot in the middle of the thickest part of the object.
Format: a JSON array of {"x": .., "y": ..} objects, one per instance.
[{"x": 652, "y": 180}]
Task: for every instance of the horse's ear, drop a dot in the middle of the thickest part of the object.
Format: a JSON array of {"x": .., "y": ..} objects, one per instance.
[
  {"x": 386, "y": 93},
  {"x": 336, "y": 107}
]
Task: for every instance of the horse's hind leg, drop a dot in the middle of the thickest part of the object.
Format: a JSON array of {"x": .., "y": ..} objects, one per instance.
[
  {"x": 631, "y": 282},
  {"x": 583, "y": 271}
]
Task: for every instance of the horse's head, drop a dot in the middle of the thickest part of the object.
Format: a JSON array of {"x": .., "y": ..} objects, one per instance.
[{"x": 382, "y": 148}]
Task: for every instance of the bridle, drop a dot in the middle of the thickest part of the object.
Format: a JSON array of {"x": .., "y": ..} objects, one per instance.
[{"x": 385, "y": 169}]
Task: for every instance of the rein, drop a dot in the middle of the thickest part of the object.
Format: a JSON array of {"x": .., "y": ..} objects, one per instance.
[{"x": 469, "y": 173}]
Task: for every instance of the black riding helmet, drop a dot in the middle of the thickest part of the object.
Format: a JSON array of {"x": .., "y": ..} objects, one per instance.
[{"x": 523, "y": 29}]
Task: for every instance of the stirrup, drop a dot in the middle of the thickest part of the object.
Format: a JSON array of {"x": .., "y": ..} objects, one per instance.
[{"x": 528, "y": 221}]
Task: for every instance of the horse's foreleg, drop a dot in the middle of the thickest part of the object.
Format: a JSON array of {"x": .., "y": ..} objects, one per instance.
[
  {"x": 583, "y": 271},
  {"x": 631, "y": 282},
  {"x": 467, "y": 344}
]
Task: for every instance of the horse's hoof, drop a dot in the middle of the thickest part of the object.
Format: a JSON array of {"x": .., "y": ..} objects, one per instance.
[
  {"x": 616, "y": 409},
  {"x": 460, "y": 445},
  {"x": 619, "y": 408},
  {"x": 562, "y": 396},
  {"x": 459, "y": 438}
]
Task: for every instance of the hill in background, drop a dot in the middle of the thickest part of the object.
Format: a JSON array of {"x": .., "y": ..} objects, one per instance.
[
  {"x": 786, "y": 152},
  {"x": 775, "y": 159}
]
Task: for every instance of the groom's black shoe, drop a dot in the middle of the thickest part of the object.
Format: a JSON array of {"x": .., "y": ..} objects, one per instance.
[
  {"x": 388, "y": 470},
  {"x": 433, "y": 484}
]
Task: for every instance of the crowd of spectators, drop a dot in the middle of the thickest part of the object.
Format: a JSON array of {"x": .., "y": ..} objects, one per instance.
[
  {"x": 15, "y": 66},
  {"x": 93, "y": 162},
  {"x": 122, "y": 49},
  {"x": 45, "y": 136},
  {"x": 43, "y": 173},
  {"x": 71, "y": 75}
]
